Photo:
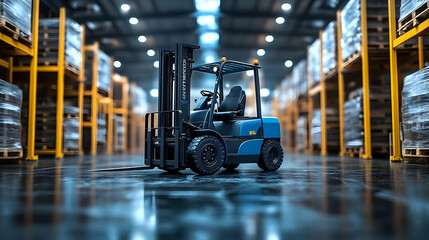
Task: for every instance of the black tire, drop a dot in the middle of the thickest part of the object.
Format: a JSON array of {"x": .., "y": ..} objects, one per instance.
[
  {"x": 271, "y": 157},
  {"x": 231, "y": 166},
  {"x": 206, "y": 155}
]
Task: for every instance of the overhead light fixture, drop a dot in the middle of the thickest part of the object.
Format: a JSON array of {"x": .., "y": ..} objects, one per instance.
[
  {"x": 156, "y": 64},
  {"x": 150, "y": 52},
  {"x": 288, "y": 63},
  {"x": 154, "y": 92},
  {"x": 249, "y": 73},
  {"x": 286, "y": 7},
  {"x": 260, "y": 52},
  {"x": 207, "y": 21},
  {"x": 125, "y": 7},
  {"x": 280, "y": 20},
  {"x": 269, "y": 38},
  {"x": 142, "y": 38},
  {"x": 209, "y": 38},
  {"x": 207, "y": 5},
  {"x": 117, "y": 64},
  {"x": 209, "y": 59},
  {"x": 265, "y": 92},
  {"x": 133, "y": 21}
]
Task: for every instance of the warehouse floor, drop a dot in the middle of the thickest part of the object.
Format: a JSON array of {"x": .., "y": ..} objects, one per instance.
[{"x": 310, "y": 197}]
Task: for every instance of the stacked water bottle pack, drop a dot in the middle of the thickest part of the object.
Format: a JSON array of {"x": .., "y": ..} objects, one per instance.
[
  {"x": 302, "y": 132},
  {"x": 407, "y": 6},
  {"x": 104, "y": 69},
  {"x": 329, "y": 47},
  {"x": 49, "y": 43},
  {"x": 10, "y": 120},
  {"x": 415, "y": 113},
  {"x": 15, "y": 15},
  {"x": 314, "y": 62},
  {"x": 380, "y": 118}
]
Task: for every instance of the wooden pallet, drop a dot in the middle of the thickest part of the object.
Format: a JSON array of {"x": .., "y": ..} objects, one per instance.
[
  {"x": 68, "y": 66},
  {"x": 353, "y": 151},
  {"x": 415, "y": 152},
  {"x": 15, "y": 32},
  {"x": 6, "y": 153},
  {"x": 414, "y": 18}
]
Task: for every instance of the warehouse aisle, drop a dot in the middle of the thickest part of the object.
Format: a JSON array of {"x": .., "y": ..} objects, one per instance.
[{"x": 310, "y": 197}]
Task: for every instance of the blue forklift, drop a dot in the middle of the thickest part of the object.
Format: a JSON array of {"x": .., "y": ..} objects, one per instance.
[{"x": 216, "y": 133}]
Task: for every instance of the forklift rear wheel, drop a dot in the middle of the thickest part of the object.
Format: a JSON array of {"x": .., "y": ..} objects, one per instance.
[
  {"x": 206, "y": 155},
  {"x": 271, "y": 157},
  {"x": 231, "y": 166}
]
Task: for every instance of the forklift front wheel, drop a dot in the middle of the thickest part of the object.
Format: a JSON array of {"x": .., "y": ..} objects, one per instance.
[
  {"x": 271, "y": 157},
  {"x": 206, "y": 155}
]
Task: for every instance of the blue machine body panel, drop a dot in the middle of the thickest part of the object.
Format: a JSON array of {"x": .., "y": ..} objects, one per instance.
[
  {"x": 271, "y": 127},
  {"x": 250, "y": 147},
  {"x": 250, "y": 127}
]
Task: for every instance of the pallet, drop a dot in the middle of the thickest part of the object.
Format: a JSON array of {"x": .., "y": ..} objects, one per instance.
[
  {"x": 6, "y": 153},
  {"x": 414, "y": 18},
  {"x": 415, "y": 152},
  {"x": 15, "y": 32}
]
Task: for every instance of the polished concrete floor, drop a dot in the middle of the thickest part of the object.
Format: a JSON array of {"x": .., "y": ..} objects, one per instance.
[{"x": 310, "y": 197}]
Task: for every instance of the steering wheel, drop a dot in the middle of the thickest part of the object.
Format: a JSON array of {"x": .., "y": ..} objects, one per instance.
[{"x": 206, "y": 93}]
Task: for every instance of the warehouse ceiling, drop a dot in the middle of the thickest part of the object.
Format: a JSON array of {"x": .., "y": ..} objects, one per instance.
[{"x": 232, "y": 28}]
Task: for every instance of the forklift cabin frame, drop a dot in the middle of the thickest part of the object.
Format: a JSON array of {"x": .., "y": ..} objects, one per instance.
[{"x": 168, "y": 138}]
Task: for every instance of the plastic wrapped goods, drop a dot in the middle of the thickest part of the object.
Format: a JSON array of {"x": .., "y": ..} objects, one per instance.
[
  {"x": 301, "y": 131},
  {"x": 71, "y": 133},
  {"x": 314, "y": 61},
  {"x": 316, "y": 127},
  {"x": 352, "y": 128},
  {"x": 10, "y": 116},
  {"x": 329, "y": 47},
  {"x": 104, "y": 70},
  {"x": 299, "y": 74},
  {"x": 350, "y": 28},
  {"x": 48, "y": 41},
  {"x": 415, "y": 110},
  {"x": 18, "y": 13},
  {"x": 407, "y": 6}
]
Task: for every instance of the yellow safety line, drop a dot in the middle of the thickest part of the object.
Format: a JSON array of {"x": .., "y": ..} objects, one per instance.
[
  {"x": 394, "y": 88},
  {"x": 365, "y": 82},
  {"x": 323, "y": 132},
  {"x": 32, "y": 89},
  {"x": 340, "y": 84}
]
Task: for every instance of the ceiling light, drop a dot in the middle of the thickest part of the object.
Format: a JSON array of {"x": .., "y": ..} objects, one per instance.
[
  {"x": 154, "y": 92},
  {"x": 249, "y": 73},
  {"x": 286, "y": 6},
  {"x": 207, "y": 21},
  {"x": 280, "y": 20},
  {"x": 156, "y": 64},
  {"x": 260, "y": 52},
  {"x": 269, "y": 38},
  {"x": 125, "y": 7},
  {"x": 117, "y": 64},
  {"x": 133, "y": 21},
  {"x": 209, "y": 38},
  {"x": 288, "y": 63},
  {"x": 227, "y": 85},
  {"x": 150, "y": 52},
  {"x": 265, "y": 92},
  {"x": 142, "y": 38},
  {"x": 209, "y": 59},
  {"x": 207, "y": 5}
]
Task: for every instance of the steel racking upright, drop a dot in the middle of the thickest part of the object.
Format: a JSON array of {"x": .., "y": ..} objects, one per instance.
[{"x": 11, "y": 46}]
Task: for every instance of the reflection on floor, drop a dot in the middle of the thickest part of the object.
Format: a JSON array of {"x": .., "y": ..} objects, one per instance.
[{"x": 310, "y": 197}]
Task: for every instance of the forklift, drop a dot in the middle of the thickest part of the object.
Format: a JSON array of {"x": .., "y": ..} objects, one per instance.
[{"x": 216, "y": 133}]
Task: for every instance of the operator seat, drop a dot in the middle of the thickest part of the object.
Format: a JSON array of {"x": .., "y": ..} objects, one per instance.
[{"x": 233, "y": 105}]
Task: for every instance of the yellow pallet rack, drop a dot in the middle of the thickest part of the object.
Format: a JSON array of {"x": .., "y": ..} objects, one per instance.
[
  {"x": 136, "y": 124},
  {"x": 96, "y": 97},
  {"x": 363, "y": 55},
  {"x": 14, "y": 47},
  {"x": 418, "y": 31},
  {"x": 120, "y": 106},
  {"x": 61, "y": 71}
]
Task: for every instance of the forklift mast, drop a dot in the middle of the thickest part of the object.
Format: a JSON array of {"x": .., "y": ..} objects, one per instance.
[{"x": 166, "y": 137}]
